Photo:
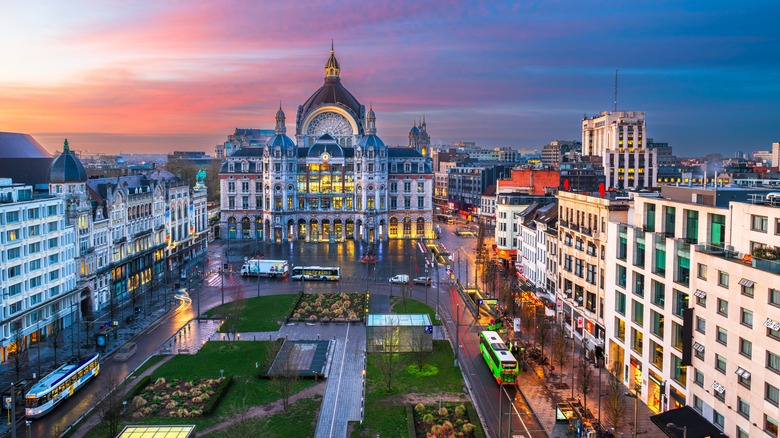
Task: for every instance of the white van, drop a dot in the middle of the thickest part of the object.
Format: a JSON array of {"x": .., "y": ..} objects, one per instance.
[{"x": 126, "y": 351}]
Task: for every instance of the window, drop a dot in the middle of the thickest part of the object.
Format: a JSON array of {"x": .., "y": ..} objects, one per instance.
[
  {"x": 772, "y": 394},
  {"x": 14, "y": 271},
  {"x": 679, "y": 372},
  {"x": 741, "y": 433},
  {"x": 698, "y": 404},
  {"x": 677, "y": 336},
  {"x": 621, "y": 277},
  {"x": 772, "y": 333},
  {"x": 746, "y": 317},
  {"x": 657, "y": 323},
  {"x": 11, "y": 217},
  {"x": 637, "y": 312},
  {"x": 639, "y": 284},
  {"x": 723, "y": 279},
  {"x": 34, "y": 265},
  {"x": 680, "y": 302},
  {"x": 770, "y": 425},
  {"x": 722, "y": 336},
  {"x": 420, "y": 203},
  {"x": 745, "y": 347},
  {"x": 698, "y": 378},
  {"x": 748, "y": 290},
  {"x": 620, "y": 303},
  {"x": 702, "y": 271},
  {"x": 620, "y": 329},
  {"x": 773, "y": 361},
  {"x": 636, "y": 340},
  {"x": 701, "y": 325},
  {"x": 774, "y": 297},
  {"x": 743, "y": 408},
  {"x": 13, "y": 253},
  {"x": 758, "y": 223},
  {"x": 720, "y": 363},
  {"x": 723, "y": 307},
  {"x": 717, "y": 417},
  {"x": 656, "y": 355},
  {"x": 14, "y": 289},
  {"x": 15, "y": 308},
  {"x": 12, "y": 235}
]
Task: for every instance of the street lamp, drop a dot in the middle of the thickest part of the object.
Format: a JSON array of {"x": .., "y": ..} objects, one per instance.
[{"x": 674, "y": 426}]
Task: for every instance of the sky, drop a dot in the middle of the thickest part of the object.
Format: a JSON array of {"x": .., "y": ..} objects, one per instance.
[{"x": 155, "y": 76}]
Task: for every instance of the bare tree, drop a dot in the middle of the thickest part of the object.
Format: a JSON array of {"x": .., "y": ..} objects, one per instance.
[
  {"x": 235, "y": 310},
  {"x": 528, "y": 315},
  {"x": 616, "y": 405},
  {"x": 559, "y": 353},
  {"x": 55, "y": 338},
  {"x": 19, "y": 356},
  {"x": 585, "y": 382},
  {"x": 418, "y": 343},
  {"x": 542, "y": 333},
  {"x": 110, "y": 408},
  {"x": 284, "y": 370},
  {"x": 406, "y": 292},
  {"x": 388, "y": 360}
]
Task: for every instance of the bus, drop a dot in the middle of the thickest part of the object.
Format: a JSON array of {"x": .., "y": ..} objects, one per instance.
[
  {"x": 499, "y": 359},
  {"x": 316, "y": 273},
  {"x": 59, "y": 385}
]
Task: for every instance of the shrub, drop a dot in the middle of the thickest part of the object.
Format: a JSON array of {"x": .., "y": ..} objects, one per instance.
[
  {"x": 443, "y": 412},
  {"x": 160, "y": 381},
  {"x": 428, "y": 418},
  {"x": 419, "y": 407},
  {"x": 139, "y": 386},
  {"x": 460, "y": 410},
  {"x": 139, "y": 401}
]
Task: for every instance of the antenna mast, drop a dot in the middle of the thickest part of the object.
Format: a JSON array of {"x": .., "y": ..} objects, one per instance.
[{"x": 616, "y": 88}]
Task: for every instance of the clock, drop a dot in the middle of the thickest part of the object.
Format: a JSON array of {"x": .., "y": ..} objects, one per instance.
[
  {"x": 325, "y": 156},
  {"x": 329, "y": 123}
]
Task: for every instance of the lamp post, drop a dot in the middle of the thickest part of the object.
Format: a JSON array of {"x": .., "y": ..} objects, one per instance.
[
  {"x": 684, "y": 429},
  {"x": 457, "y": 331},
  {"x": 438, "y": 290},
  {"x": 222, "y": 286}
]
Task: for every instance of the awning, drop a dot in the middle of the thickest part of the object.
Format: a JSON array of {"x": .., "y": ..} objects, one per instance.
[
  {"x": 698, "y": 426},
  {"x": 772, "y": 324},
  {"x": 745, "y": 282},
  {"x": 741, "y": 372},
  {"x": 700, "y": 294}
]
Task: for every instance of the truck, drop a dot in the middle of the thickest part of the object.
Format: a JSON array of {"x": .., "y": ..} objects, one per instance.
[{"x": 265, "y": 268}]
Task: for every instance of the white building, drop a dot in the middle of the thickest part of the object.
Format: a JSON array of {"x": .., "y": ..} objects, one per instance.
[
  {"x": 688, "y": 320},
  {"x": 620, "y": 139},
  {"x": 37, "y": 267}
]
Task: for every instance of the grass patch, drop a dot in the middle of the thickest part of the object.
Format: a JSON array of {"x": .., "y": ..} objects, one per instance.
[
  {"x": 300, "y": 420},
  {"x": 260, "y": 314},
  {"x": 413, "y": 307},
  {"x": 239, "y": 361},
  {"x": 387, "y": 417},
  {"x": 152, "y": 361}
]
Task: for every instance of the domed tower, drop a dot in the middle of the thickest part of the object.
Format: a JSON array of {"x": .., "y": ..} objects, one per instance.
[
  {"x": 280, "y": 145},
  {"x": 331, "y": 110},
  {"x": 67, "y": 179},
  {"x": 424, "y": 143},
  {"x": 371, "y": 153},
  {"x": 279, "y": 162}
]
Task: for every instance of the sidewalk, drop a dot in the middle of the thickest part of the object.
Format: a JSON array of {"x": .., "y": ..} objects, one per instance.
[{"x": 544, "y": 394}]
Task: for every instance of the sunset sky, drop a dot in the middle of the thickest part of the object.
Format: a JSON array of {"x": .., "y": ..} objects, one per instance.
[{"x": 156, "y": 76}]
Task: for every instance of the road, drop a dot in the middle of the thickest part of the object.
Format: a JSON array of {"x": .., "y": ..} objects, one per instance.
[{"x": 395, "y": 257}]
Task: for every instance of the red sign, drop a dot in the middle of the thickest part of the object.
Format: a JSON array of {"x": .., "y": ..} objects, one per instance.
[
  {"x": 579, "y": 322},
  {"x": 589, "y": 327}
]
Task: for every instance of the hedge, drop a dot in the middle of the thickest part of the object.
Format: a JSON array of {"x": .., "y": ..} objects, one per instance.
[
  {"x": 139, "y": 386},
  {"x": 220, "y": 392}
]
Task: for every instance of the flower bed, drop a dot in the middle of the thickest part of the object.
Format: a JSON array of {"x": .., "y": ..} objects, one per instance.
[
  {"x": 348, "y": 306},
  {"x": 174, "y": 398},
  {"x": 451, "y": 420}
]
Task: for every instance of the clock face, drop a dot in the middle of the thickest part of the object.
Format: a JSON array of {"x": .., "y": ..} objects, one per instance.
[
  {"x": 325, "y": 157},
  {"x": 331, "y": 123}
]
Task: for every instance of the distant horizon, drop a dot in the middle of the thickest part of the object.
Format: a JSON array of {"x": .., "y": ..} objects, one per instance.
[{"x": 183, "y": 75}]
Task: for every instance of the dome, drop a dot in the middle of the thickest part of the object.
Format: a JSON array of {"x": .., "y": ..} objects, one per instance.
[
  {"x": 280, "y": 140},
  {"x": 325, "y": 144},
  {"x": 414, "y": 131},
  {"x": 67, "y": 168},
  {"x": 372, "y": 140},
  {"x": 23, "y": 159}
]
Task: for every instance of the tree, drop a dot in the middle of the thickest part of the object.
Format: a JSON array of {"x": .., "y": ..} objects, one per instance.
[
  {"x": 542, "y": 332},
  {"x": 110, "y": 408},
  {"x": 55, "y": 338},
  {"x": 528, "y": 314},
  {"x": 234, "y": 311},
  {"x": 284, "y": 370},
  {"x": 616, "y": 406},
  {"x": 559, "y": 352},
  {"x": 388, "y": 360},
  {"x": 585, "y": 382},
  {"x": 406, "y": 292},
  {"x": 19, "y": 356},
  {"x": 420, "y": 347}
]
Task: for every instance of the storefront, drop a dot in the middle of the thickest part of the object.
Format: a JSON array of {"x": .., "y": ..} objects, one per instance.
[{"x": 655, "y": 392}]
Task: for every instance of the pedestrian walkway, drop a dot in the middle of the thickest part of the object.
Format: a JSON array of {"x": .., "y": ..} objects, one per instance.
[
  {"x": 344, "y": 393},
  {"x": 543, "y": 393}
]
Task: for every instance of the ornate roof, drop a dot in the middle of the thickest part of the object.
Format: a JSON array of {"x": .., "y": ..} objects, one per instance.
[
  {"x": 332, "y": 92},
  {"x": 67, "y": 168},
  {"x": 328, "y": 144}
]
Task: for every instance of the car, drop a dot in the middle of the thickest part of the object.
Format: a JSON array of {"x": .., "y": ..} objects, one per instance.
[
  {"x": 126, "y": 351},
  {"x": 422, "y": 280},
  {"x": 399, "y": 279}
]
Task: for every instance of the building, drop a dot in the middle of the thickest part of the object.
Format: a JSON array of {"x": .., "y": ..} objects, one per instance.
[
  {"x": 23, "y": 159},
  {"x": 419, "y": 138},
  {"x": 487, "y": 209},
  {"x": 688, "y": 321},
  {"x": 582, "y": 176},
  {"x": 620, "y": 139},
  {"x": 508, "y": 237},
  {"x": 337, "y": 181},
  {"x": 776, "y": 154},
  {"x": 37, "y": 267},
  {"x": 242, "y": 138},
  {"x": 553, "y": 152},
  {"x": 196, "y": 158},
  {"x": 582, "y": 243},
  {"x": 531, "y": 181},
  {"x": 531, "y": 226},
  {"x": 465, "y": 185}
]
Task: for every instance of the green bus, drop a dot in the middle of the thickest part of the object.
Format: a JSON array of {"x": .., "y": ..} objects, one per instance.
[{"x": 499, "y": 359}]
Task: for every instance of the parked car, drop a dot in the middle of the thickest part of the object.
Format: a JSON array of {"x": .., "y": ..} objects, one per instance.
[
  {"x": 125, "y": 351},
  {"x": 422, "y": 280},
  {"x": 399, "y": 279}
]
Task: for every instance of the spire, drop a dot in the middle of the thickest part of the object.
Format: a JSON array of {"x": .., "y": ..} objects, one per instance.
[
  {"x": 371, "y": 121},
  {"x": 332, "y": 68},
  {"x": 423, "y": 123},
  {"x": 281, "y": 129},
  {"x": 65, "y": 147}
]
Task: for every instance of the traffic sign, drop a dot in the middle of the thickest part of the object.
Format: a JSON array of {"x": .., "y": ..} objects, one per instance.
[{"x": 429, "y": 329}]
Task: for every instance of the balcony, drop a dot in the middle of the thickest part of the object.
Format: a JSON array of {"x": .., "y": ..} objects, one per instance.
[{"x": 766, "y": 265}]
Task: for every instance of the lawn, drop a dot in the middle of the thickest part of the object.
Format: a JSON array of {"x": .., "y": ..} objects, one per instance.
[
  {"x": 152, "y": 361},
  {"x": 246, "y": 391},
  {"x": 260, "y": 314},
  {"x": 387, "y": 417},
  {"x": 299, "y": 421},
  {"x": 414, "y": 307}
]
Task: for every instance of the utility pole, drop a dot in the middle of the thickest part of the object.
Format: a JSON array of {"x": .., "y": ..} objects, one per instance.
[
  {"x": 438, "y": 289},
  {"x": 457, "y": 332}
]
